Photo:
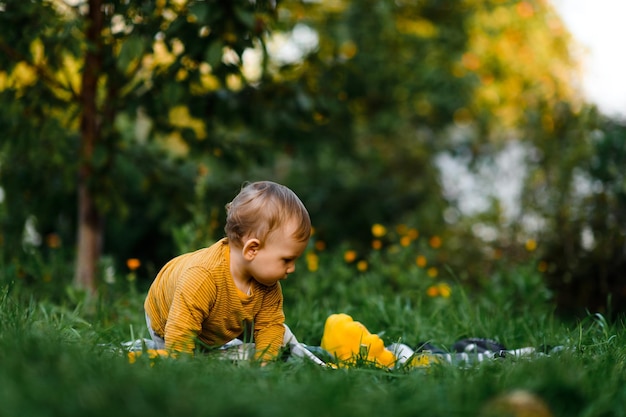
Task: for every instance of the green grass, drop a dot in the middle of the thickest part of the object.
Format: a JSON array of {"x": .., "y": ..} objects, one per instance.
[{"x": 63, "y": 359}]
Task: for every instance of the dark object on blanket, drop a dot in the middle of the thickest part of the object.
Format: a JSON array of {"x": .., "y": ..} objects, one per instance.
[{"x": 478, "y": 345}]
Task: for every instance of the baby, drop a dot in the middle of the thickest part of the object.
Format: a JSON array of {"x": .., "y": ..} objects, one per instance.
[{"x": 232, "y": 288}]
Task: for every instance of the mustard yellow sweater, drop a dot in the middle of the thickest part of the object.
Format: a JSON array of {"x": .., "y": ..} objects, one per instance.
[{"x": 194, "y": 298}]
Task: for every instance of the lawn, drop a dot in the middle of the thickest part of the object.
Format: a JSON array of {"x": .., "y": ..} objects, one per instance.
[{"x": 64, "y": 358}]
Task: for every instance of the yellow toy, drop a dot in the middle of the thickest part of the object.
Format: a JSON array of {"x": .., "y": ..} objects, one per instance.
[{"x": 349, "y": 340}]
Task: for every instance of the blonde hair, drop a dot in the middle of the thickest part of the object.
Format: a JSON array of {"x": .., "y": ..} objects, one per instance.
[{"x": 260, "y": 208}]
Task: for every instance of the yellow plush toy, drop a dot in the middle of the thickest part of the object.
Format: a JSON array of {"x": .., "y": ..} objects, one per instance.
[{"x": 348, "y": 340}]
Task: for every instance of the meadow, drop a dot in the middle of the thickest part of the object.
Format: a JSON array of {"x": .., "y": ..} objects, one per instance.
[{"x": 64, "y": 356}]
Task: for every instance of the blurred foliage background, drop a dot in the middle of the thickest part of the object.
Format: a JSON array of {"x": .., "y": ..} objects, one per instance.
[{"x": 460, "y": 120}]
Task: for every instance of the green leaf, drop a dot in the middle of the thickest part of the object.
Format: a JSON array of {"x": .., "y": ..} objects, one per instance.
[
  {"x": 246, "y": 17},
  {"x": 213, "y": 53},
  {"x": 132, "y": 49},
  {"x": 200, "y": 10},
  {"x": 173, "y": 93}
]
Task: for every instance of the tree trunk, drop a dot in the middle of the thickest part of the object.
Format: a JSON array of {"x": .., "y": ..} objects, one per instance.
[
  {"x": 89, "y": 217},
  {"x": 89, "y": 240}
]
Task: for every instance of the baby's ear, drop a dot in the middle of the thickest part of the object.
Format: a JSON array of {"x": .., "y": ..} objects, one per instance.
[{"x": 251, "y": 248}]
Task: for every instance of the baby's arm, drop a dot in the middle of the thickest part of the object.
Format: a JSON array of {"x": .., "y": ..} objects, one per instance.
[
  {"x": 193, "y": 297},
  {"x": 269, "y": 329}
]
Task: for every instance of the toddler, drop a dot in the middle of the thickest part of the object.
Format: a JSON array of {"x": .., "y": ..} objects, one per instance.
[{"x": 232, "y": 288}]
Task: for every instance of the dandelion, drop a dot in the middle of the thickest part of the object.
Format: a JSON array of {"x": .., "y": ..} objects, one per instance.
[
  {"x": 439, "y": 290},
  {"x": 432, "y": 272},
  {"x": 421, "y": 261},
  {"x": 153, "y": 354},
  {"x": 435, "y": 242},
  {"x": 133, "y": 263},
  {"x": 377, "y": 244},
  {"x": 432, "y": 291},
  {"x": 312, "y": 261},
  {"x": 349, "y": 256},
  {"x": 531, "y": 245},
  {"x": 405, "y": 241},
  {"x": 362, "y": 265},
  {"x": 444, "y": 290},
  {"x": 378, "y": 230},
  {"x": 413, "y": 234}
]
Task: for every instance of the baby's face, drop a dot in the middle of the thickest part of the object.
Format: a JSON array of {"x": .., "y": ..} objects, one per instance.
[{"x": 276, "y": 259}]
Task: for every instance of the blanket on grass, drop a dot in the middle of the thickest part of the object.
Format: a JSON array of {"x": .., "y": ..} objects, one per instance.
[{"x": 348, "y": 343}]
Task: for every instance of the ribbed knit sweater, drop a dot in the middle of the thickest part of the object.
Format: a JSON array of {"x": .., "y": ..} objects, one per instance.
[{"x": 194, "y": 298}]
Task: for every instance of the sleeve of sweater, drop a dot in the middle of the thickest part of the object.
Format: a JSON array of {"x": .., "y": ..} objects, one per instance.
[
  {"x": 194, "y": 295},
  {"x": 269, "y": 329}
]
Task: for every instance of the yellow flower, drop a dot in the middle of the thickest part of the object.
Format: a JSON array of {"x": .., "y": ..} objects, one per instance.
[
  {"x": 439, "y": 290},
  {"x": 432, "y": 291},
  {"x": 349, "y": 256},
  {"x": 405, "y": 241},
  {"x": 531, "y": 245},
  {"x": 444, "y": 290},
  {"x": 133, "y": 263},
  {"x": 420, "y": 360},
  {"x": 361, "y": 265},
  {"x": 421, "y": 261},
  {"x": 378, "y": 230},
  {"x": 153, "y": 354},
  {"x": 432, "y": 272},
  {"x": 377, "y": 244},
  {"x": 413, "y": 234},
  {"x": 312, "y": 261},
  {"x": 435, "y": 242}
]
